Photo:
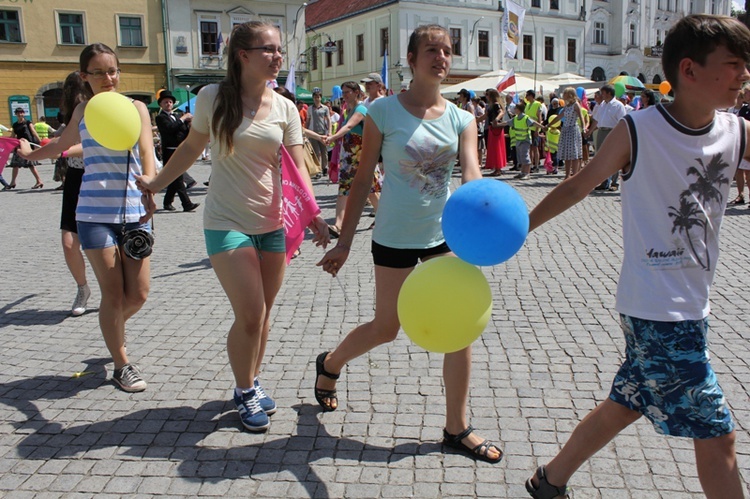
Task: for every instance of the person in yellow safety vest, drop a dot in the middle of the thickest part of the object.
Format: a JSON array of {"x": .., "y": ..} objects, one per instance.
[
  {"x": 43, "y": 129},
  {"x": 534, "y": 111},
  {"x": 520, "y": 138},
  {"x": 584, "y": 126}
]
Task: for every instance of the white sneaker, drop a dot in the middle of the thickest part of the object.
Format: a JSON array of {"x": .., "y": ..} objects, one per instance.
[{"x": 82, "y": 299}]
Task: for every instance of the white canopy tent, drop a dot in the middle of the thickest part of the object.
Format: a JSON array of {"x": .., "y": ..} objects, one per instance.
[
  {"x": 490, "y": 80},
  {"x": 566, "y": 79}
]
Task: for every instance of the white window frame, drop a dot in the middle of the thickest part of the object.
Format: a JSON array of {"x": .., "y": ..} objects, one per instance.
[
  {"x": 20, "y": 25},
  {"x": 596, "y": 40},
  {"x": 119, "y": 33},
  {"x": 489, "y": 45},
  {"x": 58, "y": 28},
  {"x": 205, "y": 17},
  {"x": 544, "y": 48}
]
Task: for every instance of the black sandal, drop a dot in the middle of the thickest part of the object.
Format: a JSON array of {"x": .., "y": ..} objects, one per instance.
[
  {"x": 478, "y": 452},
  {"x": 320, "y": 394},
  {"x": 545, "y": 490}
]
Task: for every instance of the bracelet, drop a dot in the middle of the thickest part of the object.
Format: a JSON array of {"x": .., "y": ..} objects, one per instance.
[{"x": 339, "y": 245}]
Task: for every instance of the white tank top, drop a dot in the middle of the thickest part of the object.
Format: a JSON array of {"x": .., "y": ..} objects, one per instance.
[{"x": 673, "y": 201}]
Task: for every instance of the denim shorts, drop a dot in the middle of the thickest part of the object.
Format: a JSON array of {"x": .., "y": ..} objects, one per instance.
[
  {"x": 95, "y": 235},
  {"x": 218, "y": 241},
  {"x": 668, "y": 378}
]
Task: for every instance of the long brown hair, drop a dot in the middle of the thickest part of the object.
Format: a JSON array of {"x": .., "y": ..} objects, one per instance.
[
  {"x": 228, "y": 112},
  {"x": 74, "y": 92}
]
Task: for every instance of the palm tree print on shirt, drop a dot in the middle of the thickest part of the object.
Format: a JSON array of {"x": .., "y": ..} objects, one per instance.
[
  {"x": 429, "y": 168},
  {"x": 697, "y": 203}
]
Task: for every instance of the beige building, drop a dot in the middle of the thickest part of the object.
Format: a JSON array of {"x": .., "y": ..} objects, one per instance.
[{"x": 41, "y": 40}]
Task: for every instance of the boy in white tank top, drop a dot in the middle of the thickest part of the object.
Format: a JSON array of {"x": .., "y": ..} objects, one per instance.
[{"x": 677, "y": 164}]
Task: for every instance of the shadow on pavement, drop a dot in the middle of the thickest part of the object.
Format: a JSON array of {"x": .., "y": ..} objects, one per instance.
[
  {"x": 176, "y": 433},
  {"x": 33, "y": 317}
]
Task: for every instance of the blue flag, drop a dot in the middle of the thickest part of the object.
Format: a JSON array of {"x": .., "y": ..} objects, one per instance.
[{"x": 384, "y": 71}]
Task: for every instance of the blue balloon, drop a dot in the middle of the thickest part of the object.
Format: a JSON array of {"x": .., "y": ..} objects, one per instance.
[
  {"x": 485, "y": 222},
  {"x": 580, "y": 92},
  {"x": 472, "y": 94},
  {"x": 336, "y": 92}
]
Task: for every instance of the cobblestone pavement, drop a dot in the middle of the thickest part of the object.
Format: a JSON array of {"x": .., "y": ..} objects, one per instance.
[{"x": 546, "y": 358}]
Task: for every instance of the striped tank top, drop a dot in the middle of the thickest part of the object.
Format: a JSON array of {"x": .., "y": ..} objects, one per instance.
[{"x": 107, "y": 175}]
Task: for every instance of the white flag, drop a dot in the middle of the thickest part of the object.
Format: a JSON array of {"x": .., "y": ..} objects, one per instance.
[
  {"x": 512, "y": 27},
  {"x": 290, "y": 83}
]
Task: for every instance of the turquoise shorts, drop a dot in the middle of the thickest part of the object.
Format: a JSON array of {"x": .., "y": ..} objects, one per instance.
[
  {"x": 218, "y": 241},
  {"x": 668, "y": 378}
]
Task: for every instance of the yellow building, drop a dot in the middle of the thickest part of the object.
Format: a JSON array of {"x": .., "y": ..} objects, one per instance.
[{"x": 41, "y": 40}]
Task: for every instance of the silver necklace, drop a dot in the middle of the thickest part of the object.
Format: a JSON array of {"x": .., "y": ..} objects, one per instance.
[{"x": 252, "y": 114}]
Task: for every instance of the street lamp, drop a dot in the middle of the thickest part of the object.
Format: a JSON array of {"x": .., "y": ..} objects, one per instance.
[
  {"x": 471, "y": 38},
  {"x": 187, "y": 102},
  {"x": 296, "y": 18}
]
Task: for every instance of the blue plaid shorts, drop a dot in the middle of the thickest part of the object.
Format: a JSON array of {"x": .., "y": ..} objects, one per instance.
[{"x": 668, "y": 378}]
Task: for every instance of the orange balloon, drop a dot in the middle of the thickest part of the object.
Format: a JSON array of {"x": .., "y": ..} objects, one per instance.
[{"x": 665, "y": 87}]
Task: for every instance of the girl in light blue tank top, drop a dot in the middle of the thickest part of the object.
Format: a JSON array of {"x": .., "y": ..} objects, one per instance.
[
  {"x": 417, "y": 133},
  {"x": 109, "y": 203}
]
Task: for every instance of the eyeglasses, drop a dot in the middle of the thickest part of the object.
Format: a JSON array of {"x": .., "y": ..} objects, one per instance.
[
  {"x": 99, "y": 75},
  {"x": 269, "y": 49}
]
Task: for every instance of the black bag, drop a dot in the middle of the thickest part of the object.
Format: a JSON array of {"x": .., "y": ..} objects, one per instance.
[
  {"x": 31, "y": 137},
  {"x": 137, "y": 243}
]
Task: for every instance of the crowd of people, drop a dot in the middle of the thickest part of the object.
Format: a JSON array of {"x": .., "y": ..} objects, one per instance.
[{"x": 398, "y": 153}]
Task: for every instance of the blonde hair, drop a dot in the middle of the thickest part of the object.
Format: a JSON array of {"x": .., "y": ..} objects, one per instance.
[
  {"x": 569, "y": 94},
  {"x": 228, "y": 112}
]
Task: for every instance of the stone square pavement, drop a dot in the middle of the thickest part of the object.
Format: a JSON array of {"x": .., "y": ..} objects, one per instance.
[{"x": 546, "y": 358}]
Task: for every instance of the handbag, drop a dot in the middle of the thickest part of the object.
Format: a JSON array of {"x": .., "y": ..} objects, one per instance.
[
  {"x": 32, "y": 137},
  {"x": 137, "y": 244},
  {"x": 312, "y": 163}
]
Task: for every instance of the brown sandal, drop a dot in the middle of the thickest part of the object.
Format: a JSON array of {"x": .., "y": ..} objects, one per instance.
[
  {"x": 320, "y": 394},
  {"x": 478, "y": 452},
  {"x": 545, "y": 490}
]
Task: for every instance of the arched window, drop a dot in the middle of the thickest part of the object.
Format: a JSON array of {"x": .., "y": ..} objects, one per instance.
[
  {"x": 656, "y": 80},
  {"x": 598, "y": 74},
  {"x": 642, "y": 77}
]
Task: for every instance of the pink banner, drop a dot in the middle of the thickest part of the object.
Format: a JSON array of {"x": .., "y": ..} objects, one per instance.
[
  {"x": 299, "y": 207},
  {"x": 7, "y": 146}
]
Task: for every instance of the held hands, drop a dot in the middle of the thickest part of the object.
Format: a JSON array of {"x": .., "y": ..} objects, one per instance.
[
  {"x": 334, "y": 259},
  {"x": 319, "y": 228},
  {"x": 148, "y": 202},
  {"x": 24, "y": 148},
  {"x": 143, "y": 182},
  {"x": 187, "y": 117}
]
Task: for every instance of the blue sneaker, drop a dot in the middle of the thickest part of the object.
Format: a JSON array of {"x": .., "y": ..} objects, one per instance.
[
  {"x": 266, "y": 403},
  {"x": 252, "y": 416}
]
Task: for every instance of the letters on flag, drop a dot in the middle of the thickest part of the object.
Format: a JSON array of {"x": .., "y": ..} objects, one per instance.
[
  {"x": 7, "y": 146},
  {"x": 299, "y": 206}
]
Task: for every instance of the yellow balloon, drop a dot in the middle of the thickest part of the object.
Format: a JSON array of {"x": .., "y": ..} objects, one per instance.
[
  {"x": 445, "y": 304},
  {"x": 113, "y": 121}
]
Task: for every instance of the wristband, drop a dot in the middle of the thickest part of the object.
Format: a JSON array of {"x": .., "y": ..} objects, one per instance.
[{"x": 64, "y": 154}]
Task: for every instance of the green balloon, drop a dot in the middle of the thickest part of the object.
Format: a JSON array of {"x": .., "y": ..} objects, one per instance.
[{"x": 619, "y": 89}]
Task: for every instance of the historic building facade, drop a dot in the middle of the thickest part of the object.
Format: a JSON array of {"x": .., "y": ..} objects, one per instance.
[
  {"x": 199, "y": 30},
  {"x": 41, "y": 40}
]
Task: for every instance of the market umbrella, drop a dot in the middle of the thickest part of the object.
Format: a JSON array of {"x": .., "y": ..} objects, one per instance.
[
  {"x": 303, "y": 94},
  {"x": 630, "y": 82}
]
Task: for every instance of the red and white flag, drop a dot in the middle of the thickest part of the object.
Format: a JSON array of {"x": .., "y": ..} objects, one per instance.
[
  {"x": 299, "y": 206},
  {"x": 507, "y": 80}
]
